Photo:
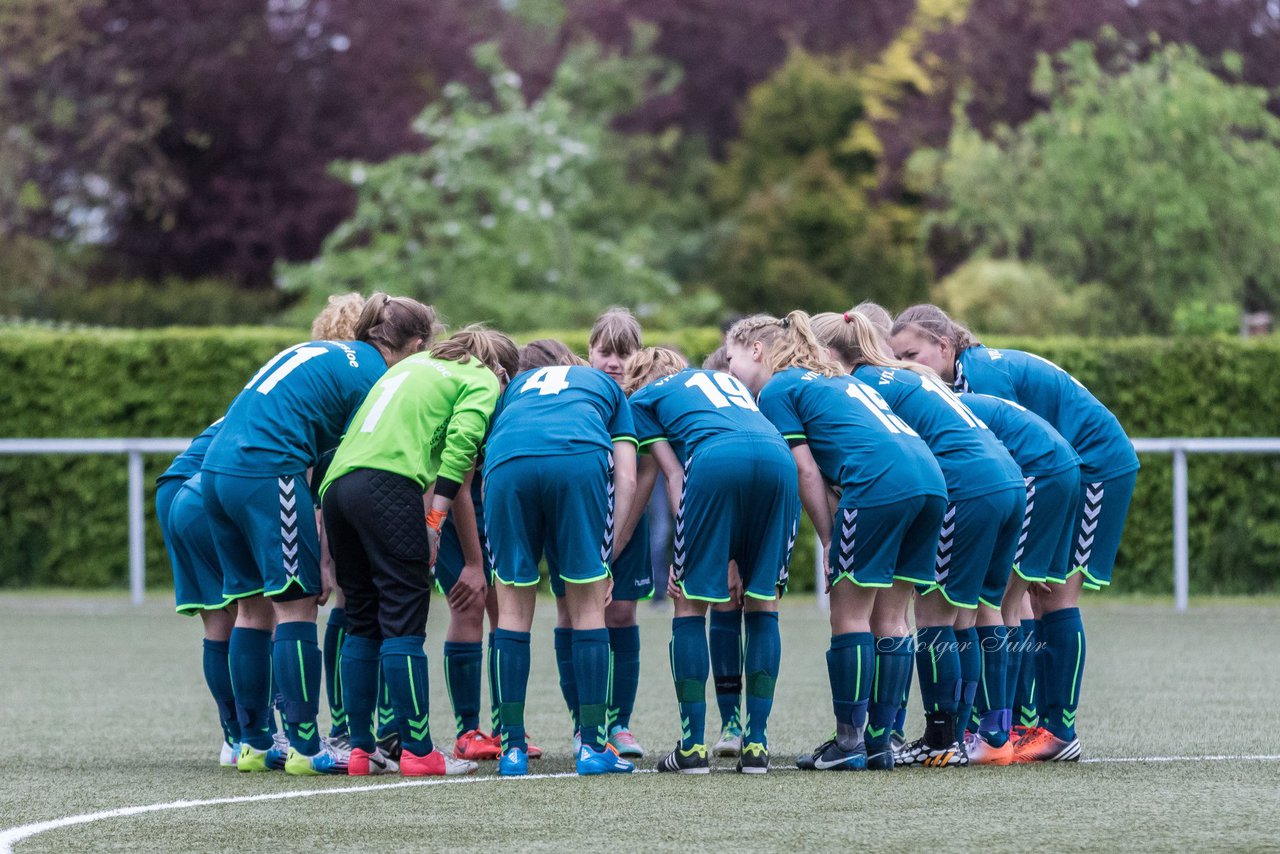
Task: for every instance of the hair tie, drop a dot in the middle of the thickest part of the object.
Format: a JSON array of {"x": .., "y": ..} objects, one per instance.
[
  {"x": 785, "y": 323},
  {"x": 847, "y": 318}
]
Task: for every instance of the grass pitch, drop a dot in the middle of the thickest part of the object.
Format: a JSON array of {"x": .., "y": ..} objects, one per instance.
[{"x": 104, "y": 707}]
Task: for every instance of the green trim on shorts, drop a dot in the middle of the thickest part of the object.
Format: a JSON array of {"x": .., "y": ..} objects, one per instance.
[
  {"x": 774, "y": 598},
  {"x": 982, "y": 601},
  {"x": 688, "y": 595},
  {"x": 288, "y": 584},
  {"x": 848, "y": 576},
  {"x": 503, "y": 581},
  {"x": 910, "y": 580},
  {"x": 257, "y": 592},
  {"x": 192, "y": 610},
  {"x": 1091, "y": 582},
  {"x": 954, "y": 603},
  {"x": 564, "y": 580},
  {"x": 1017, "y": 568}
]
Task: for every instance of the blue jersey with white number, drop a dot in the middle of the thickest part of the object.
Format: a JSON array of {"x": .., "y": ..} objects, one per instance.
[
  {"x": 1035, "y": 446},
  {"x": 856, "y": 440},
  {"x": 1057, "y": 397},
  {"x": 696, "y": 406},
  {"x": 558, "y": 411},
  {"x": 295, "y": 409},
  {"x": 971, "y": 458},
  {"x": 187, "y": 464}
]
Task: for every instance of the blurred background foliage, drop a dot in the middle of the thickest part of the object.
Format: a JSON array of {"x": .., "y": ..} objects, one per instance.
[{"x": 1094, "y": 167}]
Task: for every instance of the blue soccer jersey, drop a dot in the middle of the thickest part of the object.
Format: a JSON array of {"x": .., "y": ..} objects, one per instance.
[
  {"x": 1057, "y": 397},
  {"x": 1038, "y": 449},
  {"x": 856, "y": 440},
  {"x": 575, "y": 409},
  {"x": 972, "y": 459},
  {"x": 696, "y": 406},
  {"x": 295, "y": 409},
  {"x": 187, "y": 464}
]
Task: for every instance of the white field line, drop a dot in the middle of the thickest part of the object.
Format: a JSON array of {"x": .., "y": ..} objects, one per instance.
[{"x": 13, "y": 835}]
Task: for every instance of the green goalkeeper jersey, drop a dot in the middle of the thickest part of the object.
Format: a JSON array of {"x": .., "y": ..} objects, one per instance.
[{"x": 425, "y": 419}]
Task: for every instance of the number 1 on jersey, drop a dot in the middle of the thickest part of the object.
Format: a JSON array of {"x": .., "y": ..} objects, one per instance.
[{"x": 731, "y": 391}]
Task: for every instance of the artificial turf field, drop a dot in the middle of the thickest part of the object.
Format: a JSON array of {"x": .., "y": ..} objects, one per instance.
[{"x": 104, "y": 707}]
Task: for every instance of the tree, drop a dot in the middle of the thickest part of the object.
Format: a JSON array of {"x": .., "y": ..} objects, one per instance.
[
  {"x": 801, "y": 225},
  {"x": 524, "y": 212},
  {"x": 1155, "y": 179}
]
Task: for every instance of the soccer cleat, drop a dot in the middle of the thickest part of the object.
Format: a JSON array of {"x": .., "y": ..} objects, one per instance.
[
  {"x": 251, "y": 759},
  {"x": 622, "y": 741},
  {"x": 982, "y": 753},
  {"x": 1040, "y": 745},
  {"x": 514, "y": 763},
  {"x": 227, "y": 754},
  {"x": 476, "y": 746},
  {"x": 325, "y": 761},
  {"x": 691, "y": 761},
  {"x": 754, "y": 759},
  {"x": 897, "y": 741},
  {"x": 606, "y": 761},
  {"x": 390, "y": 744},
  {"x": 535, "y": 752},
  {"x": 362, "y": 763},
  {"x": 829, "y": 756},
  {"x": 434, "y": 764},
  {"x": 730, "y": 743},
  {"x": 880, "y": 759},
  {"x": 1017, "y": 732},
  {"x": 340, "y": 743},
  {"x": 920, "y": 753}
]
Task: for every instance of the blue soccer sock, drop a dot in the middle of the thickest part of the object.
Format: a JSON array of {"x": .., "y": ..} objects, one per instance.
[
  {"x": 297, "y": 667},
  {"x": 334, "y": 632},
  {"x": 217, "y": 675},
  {"x": 992, "y": 700},
  {"x": 359, "y": 664},
  {"x": 462, "y": 665},
  {"x": 1064, "y": 668},
  {"x": 690, "y": 665},
  {"x": 385, "y": 721},
  {"x": 624, "y": 645},
  {"x": 511, "y": 667},
  {"x": 938, "y": 667},
  {"x": 892, "y": 674},
  {"x": 404, "y": 668},
  {"x": 494, "y": 724},
  {"x": 591, "y": 669},
  {"x": 900, "y": 720},
  {"x": 564, "y": 666},
  {"x": 762, "y": 656},
  {"x": 1013, "y": 663},
  {"x": 725, "y": 643},
  {"x": 249, "y": 662},
  {"x": 970, "y": 673},
  {"x": 851, "y": 669},
  {"x": 1030, "y": 677}
]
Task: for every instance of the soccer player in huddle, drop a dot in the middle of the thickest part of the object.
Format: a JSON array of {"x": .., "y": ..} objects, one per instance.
[
  {"x": 852, "y": 453},
  {"x": 614, "y": 337},
  {"x": 1051, "y": 470},
  {"x": 559, "y": 472},
  {"x": 724, "y": 635},
  {"x": 417, "y": 433},
  {"x": 1109, "y": 467},
  {"x": 733, "y": 480},
  {"x": 977, "y": 540},
  {"x": 290, "y": 413}
]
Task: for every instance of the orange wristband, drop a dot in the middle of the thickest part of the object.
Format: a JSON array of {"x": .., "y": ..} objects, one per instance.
[{"x": 435, "y": 518}]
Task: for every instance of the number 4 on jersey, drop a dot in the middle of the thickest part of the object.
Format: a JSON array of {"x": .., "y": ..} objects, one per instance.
[{"x": 551, "y": 380}]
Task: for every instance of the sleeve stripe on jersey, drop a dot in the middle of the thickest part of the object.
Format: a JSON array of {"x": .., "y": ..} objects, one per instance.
[
  {"x": 626, "y": 437},
  {"x": 789, "y": 436},
  {"x": 644, "y": 443}
]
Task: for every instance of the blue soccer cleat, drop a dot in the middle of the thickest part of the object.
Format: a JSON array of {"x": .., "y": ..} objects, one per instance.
[
  {"x": 606, "y": 761},
  {"x": 514, "y": 763}
]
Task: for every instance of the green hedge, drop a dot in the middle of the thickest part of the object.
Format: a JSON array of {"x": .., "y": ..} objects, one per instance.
[{"x": 62, "y": 518}]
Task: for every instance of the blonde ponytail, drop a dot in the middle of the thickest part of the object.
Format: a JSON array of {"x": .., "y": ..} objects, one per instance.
[
  {"x": 788, "y": 343},
  {"x": 854, "y": 338},
  {"x": 648, "y": 364}
]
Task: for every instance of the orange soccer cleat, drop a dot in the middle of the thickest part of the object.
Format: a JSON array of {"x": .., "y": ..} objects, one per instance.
[
  {"x": 1040, "y": 745},
  {"x": 476, "y": 746}
]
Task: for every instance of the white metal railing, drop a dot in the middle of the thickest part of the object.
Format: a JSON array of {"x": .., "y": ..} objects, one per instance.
[
  {"x": 135, "y": 448},
  {"x": 1179, "y": 448}
]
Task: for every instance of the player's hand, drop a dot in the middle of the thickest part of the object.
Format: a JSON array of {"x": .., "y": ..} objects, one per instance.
[
  {"x": 433, "y": 546},
  {"x": 673, "y": 589},
  {"x": 1039, "y": 588},
  {"x": 469, "y": 589},
  {"x": 735, "y": 584},
  {"x": 327, "y": 580},
  {"x": 826, "y": 565}
]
